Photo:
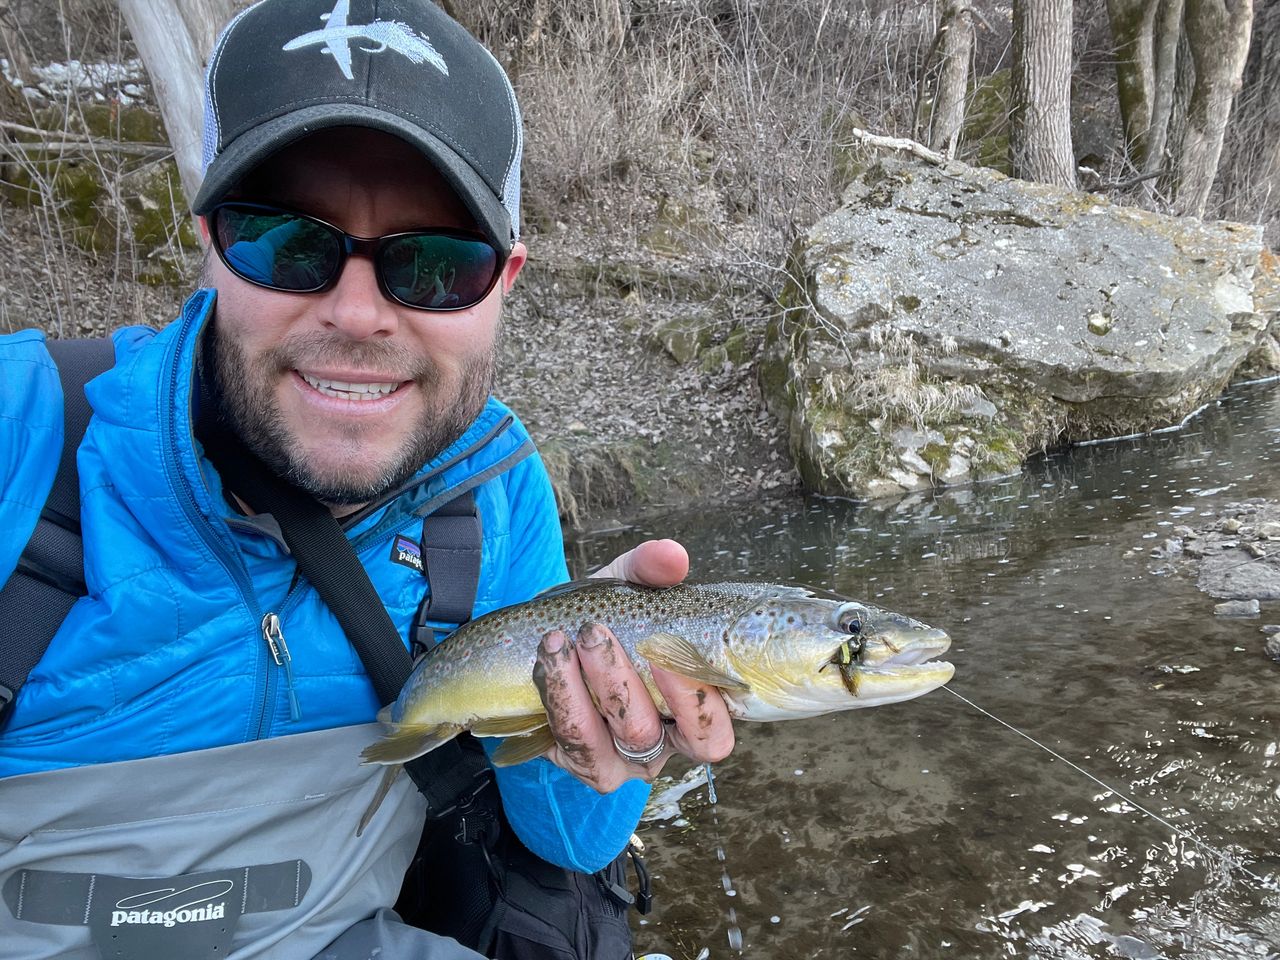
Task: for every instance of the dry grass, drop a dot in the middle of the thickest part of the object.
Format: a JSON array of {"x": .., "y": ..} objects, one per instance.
[{"x": 896, "y": 390}]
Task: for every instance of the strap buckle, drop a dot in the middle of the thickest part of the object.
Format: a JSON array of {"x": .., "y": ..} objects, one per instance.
[{"x": 467, "y": 798}]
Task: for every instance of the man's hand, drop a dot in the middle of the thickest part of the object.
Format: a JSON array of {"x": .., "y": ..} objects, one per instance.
[{"x": 570, "y": 674}]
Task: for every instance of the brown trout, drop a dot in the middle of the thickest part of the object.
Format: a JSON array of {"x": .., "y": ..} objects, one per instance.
[{"x": 774, "y": 651}]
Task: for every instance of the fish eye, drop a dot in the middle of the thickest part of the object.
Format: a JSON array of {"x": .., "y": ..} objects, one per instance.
[{"x": 850, "y": 618}]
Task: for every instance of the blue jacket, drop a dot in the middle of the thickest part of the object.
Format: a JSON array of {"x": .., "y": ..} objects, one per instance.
[{"x": 166, "y": 653}]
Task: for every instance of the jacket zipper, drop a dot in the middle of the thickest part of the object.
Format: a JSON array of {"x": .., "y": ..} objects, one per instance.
[
  {"x": 230, "y": 560},
  {"x": 274, "y": 636}
]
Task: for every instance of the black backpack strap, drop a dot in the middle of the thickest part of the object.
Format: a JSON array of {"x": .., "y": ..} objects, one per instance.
[
  {"x": 321, "y": 550},
  {"x": 49, "y": 577},
  {"x": 451, "y": 540},
  {"x": 325, "y": 557}
]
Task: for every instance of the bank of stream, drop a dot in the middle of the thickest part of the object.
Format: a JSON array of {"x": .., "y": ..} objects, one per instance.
[{"x": 927, "y": 829}]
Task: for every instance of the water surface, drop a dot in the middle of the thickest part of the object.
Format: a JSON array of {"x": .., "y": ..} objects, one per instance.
[{"x": 927, "y": 829}]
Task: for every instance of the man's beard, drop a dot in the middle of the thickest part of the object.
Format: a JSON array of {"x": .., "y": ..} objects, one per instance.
[{"x": 244, "y": 389}]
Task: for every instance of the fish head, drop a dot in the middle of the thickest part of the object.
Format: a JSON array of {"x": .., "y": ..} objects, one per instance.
[{"x": 805, "y": 656}]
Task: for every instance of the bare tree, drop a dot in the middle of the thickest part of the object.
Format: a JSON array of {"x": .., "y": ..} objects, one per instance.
[
  {"x": 1217, "y": 33},
  {"x": 940, "y": 110},
  {"x": 1168, "y": 33},
  {"x": 174, "y": 38},
  {"x": 1251, "y": 162},
  {"x": 1040, "y": 117}
]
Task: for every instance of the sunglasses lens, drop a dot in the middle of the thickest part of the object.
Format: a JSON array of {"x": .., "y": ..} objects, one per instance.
[
  {"x": 276, "y": 249},
  {"x": 435, "y": 272}
]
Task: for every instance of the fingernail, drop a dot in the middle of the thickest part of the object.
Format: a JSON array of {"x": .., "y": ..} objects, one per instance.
[
  {"x": 591, "y": 635},
  {"x": 553, "y": 642}
]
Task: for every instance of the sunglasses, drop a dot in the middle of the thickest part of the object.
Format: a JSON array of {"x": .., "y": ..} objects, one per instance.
[{"x": 278, "y": 249}]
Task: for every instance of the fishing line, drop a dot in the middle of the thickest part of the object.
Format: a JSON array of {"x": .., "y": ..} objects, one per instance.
[{"x": 1221, "y": 855}]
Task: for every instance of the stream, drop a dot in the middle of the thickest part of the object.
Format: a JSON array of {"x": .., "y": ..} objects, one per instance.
[{"x": 928, "y": 828}]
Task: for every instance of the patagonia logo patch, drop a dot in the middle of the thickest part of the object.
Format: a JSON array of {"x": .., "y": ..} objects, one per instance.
[{"x": 407, "y": 553}]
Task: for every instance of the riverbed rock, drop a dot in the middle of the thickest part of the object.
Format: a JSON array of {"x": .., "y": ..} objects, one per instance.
[
  {"x": 1235, "y": 575},
  {"x": 1272, "y": 647},
  {"x": 1217, "y": 553},
  {"x": 956, "y": 300},
  {"x": 1237, "y": 608}
]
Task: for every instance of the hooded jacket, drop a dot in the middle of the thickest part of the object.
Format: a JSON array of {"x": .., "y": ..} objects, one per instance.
[{"x": 166, "y": 653}]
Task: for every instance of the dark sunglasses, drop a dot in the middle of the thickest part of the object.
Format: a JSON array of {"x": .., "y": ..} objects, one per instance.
[{"x": 281, "y": 250}]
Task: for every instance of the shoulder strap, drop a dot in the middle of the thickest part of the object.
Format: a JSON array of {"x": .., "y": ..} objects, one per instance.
[
  {"x": 325, "y": 557},
  {"x": 451, "y": 542},
  {"x": 50, "y": 574},
  {"x": 322, "y": 552}
]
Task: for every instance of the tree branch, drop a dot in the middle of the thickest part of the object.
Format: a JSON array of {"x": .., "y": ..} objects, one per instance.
[{"x": 900, "y": 143}]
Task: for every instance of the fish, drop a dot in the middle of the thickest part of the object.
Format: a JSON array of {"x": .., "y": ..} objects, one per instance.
[{"x": 773, "y": 651}]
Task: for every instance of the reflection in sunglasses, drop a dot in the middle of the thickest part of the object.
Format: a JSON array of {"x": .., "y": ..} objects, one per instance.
[{"x": 424, "y": 269}]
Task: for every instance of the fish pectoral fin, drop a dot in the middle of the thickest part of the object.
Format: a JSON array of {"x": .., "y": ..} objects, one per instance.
[
  {"x": 509, "y": 726},
  {"x": 405, "y": 741},
  {"x": 523, "y": 749},
  {"x": 678, "y": 655}
]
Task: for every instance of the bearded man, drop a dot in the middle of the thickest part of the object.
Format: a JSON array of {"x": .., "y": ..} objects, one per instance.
[{"x": 178, "y": 773}]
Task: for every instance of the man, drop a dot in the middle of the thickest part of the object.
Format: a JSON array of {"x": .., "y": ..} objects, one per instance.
[{"x": 179, "y": 770}]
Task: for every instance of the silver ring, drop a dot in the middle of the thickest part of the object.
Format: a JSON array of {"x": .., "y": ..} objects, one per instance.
[{"x": 643, "y": 756}]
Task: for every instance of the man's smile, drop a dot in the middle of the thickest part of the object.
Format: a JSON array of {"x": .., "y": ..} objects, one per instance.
[{"x": 359, "y": 390}]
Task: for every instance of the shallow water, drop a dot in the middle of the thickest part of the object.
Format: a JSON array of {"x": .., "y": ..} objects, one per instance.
[{"x": 927, "y": 829}]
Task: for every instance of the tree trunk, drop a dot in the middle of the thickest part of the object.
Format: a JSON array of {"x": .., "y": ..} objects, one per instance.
[
  {"x": 1251, "y": 167},
  {"x": 1168, "y": 32},
  {"x": 1217, "y": 33},
  {"x": 174, "y": 38},
  {"x": 1133, "y": 27},
  {"x": 941, "y": 107},
  {"x": 1040, "y": 120}
]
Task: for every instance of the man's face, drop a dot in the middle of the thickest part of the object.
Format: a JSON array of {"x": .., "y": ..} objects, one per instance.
[{"x": 345, "y": 392}]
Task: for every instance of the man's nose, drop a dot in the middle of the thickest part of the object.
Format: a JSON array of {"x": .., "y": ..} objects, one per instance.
[{"x": 357, "y": 306}]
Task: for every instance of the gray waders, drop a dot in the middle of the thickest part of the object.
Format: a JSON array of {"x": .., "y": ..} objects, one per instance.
[{"x": 234, "y": 852}]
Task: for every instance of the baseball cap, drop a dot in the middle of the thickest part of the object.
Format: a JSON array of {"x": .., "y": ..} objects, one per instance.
[{"x": 282, "y": 69}]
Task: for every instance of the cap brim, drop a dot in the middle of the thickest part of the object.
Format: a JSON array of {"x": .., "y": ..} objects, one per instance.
[{"x": 257, "y": 144}]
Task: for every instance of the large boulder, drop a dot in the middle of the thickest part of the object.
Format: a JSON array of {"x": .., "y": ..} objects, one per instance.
[{"x": 946, "y": 322}]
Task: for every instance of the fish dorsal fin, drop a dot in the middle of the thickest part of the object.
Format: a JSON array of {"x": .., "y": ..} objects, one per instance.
[
  {"x": 509, "y": 726},
  {"x": 522, "y": 749},
  {"x": 585, "y": 584},
  {"x": 405, "y": 741},
  {"x": 678, "y": 655}
]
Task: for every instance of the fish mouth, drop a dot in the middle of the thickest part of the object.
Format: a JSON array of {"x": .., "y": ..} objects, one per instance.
[
  {"x": 885, "y": 666},
  {"x": 901, "y": 648}
]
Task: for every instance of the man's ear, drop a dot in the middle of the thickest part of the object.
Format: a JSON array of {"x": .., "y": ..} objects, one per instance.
[{"x": 515, "y": 263}]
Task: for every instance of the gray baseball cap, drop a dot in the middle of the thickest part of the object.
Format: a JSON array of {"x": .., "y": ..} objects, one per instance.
[{"x": 283, "y": 69}]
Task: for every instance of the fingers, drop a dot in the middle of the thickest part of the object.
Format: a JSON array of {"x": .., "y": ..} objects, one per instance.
[
  {"x": 703, "y": 728},
  {"x": 654, "y": 563},
  {"x": 572, "y": 717},
  {"x": 593, "y": 696},
  {"x": 630, "y": 714}
]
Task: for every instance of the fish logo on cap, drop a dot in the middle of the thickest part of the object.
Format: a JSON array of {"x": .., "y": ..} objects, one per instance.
[{"x": 337, "y": 35}]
